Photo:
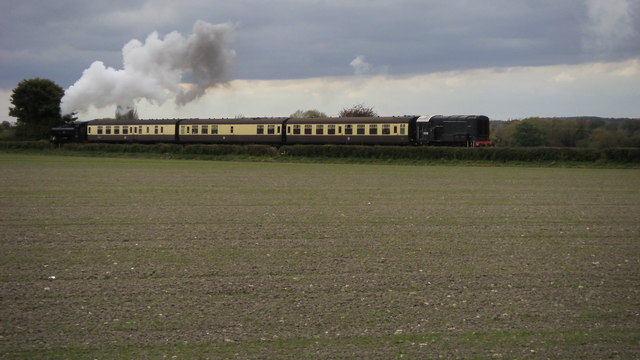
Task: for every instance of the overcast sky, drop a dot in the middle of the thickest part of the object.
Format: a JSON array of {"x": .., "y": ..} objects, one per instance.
[{"x": 502, "y": 58}]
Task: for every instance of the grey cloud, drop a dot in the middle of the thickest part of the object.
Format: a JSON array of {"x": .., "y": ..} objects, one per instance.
[{"x": 295, "y": 39}]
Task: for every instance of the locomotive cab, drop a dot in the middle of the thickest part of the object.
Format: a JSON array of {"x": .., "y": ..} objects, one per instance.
[
  {"x": 457, "y": 130},
  {"x": 73, "y": 132}
]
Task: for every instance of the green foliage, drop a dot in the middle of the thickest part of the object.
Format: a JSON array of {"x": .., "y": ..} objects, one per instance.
[
  {"x": 383, "y": 153},
  {"x": 308, "y": 114},
  {"x": 26, "y": 145},
  {"x": 357, "y": 111},
  {"x": 36, "y": 105},
  {"x": 499, "y": 154},
  {"x": 568, "y": 132},
  {"x": 528, "y": 134},
  {"x": 8, "y": 134}
]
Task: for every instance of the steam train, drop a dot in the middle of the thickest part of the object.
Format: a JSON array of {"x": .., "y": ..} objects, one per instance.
[{"x": 458, "y": 130}]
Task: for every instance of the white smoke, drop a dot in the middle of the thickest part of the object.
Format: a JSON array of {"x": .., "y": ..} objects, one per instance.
[
  {"x": 154, "y": 70},
  {"x": 360, "y": 66}
]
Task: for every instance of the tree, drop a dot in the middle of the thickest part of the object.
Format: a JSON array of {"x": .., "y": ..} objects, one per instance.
[
  {"x": 602, "y": 138},
  {"x": 357, "y": 111},
  {"x": 308, "y": 114},
  {"x": 36, "y": 105},
  {"x": 564, "y": 132},
  {"x": 528, "y": 134}
]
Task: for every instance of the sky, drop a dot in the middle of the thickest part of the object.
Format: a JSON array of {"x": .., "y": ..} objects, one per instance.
[{"x": 507, "y": 59}]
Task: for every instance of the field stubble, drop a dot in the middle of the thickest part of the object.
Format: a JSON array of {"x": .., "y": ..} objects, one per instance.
[{"x": 156, "y": 258}]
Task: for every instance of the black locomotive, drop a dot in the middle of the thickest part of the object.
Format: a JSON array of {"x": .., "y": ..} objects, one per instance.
[{"x": 458, "y": 130}]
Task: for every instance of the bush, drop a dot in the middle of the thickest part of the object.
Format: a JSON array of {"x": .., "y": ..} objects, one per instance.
[
  {"x": 426, "y": 153},
  {"x": 621, "y": 155},
  {"x": 519, "y": 154},
  {"x": 24, "y": 145},
  {"x": 261, "y": 150}
]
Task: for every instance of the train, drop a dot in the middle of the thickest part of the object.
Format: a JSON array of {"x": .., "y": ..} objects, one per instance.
[{"x": 436, "y": 130}]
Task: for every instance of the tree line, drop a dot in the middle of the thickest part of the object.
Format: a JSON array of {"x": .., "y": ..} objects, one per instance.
[{"x": 592, "y": 132}]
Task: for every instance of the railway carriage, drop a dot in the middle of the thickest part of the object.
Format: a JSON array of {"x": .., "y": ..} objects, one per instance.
[
  {"x": 355, "y": 130},
  {"x": 239, "y": 131},
  {"x": 131, "y": 131}
]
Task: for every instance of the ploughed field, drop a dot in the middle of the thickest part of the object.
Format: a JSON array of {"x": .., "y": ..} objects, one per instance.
[{"x": 184, "y": 259}]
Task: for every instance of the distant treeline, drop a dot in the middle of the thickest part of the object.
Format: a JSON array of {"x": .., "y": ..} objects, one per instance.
[
  {"x": 403, "y": 153},
  {"x": 589, "y": 132}
]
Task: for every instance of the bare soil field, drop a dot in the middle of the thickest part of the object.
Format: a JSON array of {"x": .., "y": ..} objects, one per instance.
[{"x": 134, "y": 258}]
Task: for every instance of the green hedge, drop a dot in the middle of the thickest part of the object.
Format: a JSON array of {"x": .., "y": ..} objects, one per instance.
[
  {"x": 620, "y": 155},
  {"x": 499, "y": 154},
  {"x": 223, "y": 149},
  {"x": 25, "y": 145}
]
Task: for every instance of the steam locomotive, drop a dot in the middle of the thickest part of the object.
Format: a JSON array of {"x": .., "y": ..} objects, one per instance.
[{"x": 458, "y": 130}]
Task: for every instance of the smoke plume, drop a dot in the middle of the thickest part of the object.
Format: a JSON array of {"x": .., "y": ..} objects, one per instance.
[
  {"x": 154, "y": 70},
  {"x": 362, "y": 68}
]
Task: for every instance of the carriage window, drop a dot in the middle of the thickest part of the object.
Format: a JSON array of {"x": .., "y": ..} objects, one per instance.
[
  {"x": 308, "y": 129},
  {"x": 278, "y": 129},
  {"x": 125, "y": 130},
  {"x": 386, "y": 129},
  {"x": 373, "y": 129},
  {"x": 214, "y": 129},
  {"x": 204, "y": 129},
  {"x": 360, "y": 129},
  {"x": 348, "y": 129},
  {"x": 395, "y": 129},
  {"x": 147, "y": 129},
  {"x": 107, "y": 130},
  {"x": 296, "y": 129},
  {"x": 331, "y": 129},
  {"x": 99, "y": 130},
  {"x": 319, "y": 129},
  {"x": 232, "y": 129},
  {"x": 271, "y": 129},
  {"x": 402, "y": 128},
  {"x": 194, "y": 129},
  {"x": 260, "y": 129},
  {"x": 116, "y": 130}
]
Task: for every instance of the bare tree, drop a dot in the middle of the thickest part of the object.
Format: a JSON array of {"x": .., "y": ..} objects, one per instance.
[
  {"x": 358, "y": 111},
  {"x": 308, "y": 114}
]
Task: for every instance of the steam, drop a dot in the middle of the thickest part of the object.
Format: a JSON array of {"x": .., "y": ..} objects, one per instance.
[
  {"x": 362, "y": 67},
  {"x": 154, "y": 70}
]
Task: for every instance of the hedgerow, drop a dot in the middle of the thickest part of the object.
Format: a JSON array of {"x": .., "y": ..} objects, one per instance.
[{"x": 495, "y": 154}]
